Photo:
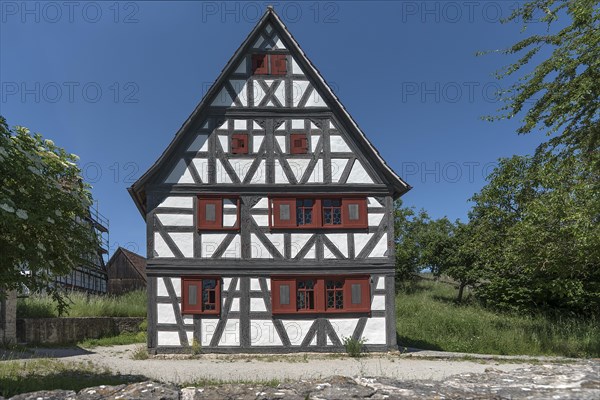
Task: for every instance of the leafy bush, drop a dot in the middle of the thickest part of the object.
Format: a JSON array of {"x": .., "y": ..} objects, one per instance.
[{"x": 354, "y": 347}]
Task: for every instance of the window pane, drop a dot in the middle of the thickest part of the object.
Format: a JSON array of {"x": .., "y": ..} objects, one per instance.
[
  {"x": 211, "y": 212},
  {"x": 356, "y": 293},
  {"x": 192, "y": 294},
  {"x": 337, "y": 216},
  {"x": 284, "y": 294},
  {"x": 353, "y": 211},
  {"x": 284, "y": 212}
]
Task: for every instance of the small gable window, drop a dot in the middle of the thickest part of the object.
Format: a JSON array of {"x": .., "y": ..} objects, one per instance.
[
  {"x": 239, "y": 143},
  {"x": 298, "y": 143},
  {"x": 218, "y": 213},
  {"x": 269, "y": 64},
  {"x": 201, "y": 295}
]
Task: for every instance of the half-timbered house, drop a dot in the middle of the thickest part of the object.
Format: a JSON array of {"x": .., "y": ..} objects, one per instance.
[{"x": 269, "y": 215}]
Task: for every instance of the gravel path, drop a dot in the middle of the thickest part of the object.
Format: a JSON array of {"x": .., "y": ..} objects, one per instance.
[{"x": 182, "y": 369}]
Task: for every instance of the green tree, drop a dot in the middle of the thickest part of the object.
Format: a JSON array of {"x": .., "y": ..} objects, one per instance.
[
  {"x": 565, "y": 85},
  {"x": 536, "y": 234},
  {"x": 44, "y": 209}
]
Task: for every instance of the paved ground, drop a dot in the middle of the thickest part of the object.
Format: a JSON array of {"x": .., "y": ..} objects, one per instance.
[{"x": 182, "y": 369}]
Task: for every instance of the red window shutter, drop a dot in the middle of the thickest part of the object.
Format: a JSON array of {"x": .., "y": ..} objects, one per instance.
[
  {"x": 260, "y": 64},
  {"x": 239, "y": 143},
  {"x": 283, "y": 295},
  {"x": 191, "y": 302},
  {"x": 298, "y": 143},
  {"x": 278, "y": 64},
  {"x": 283, "y": 213},
  {"x": 210, "y": 213},
  {"x": 357, "y": 294},
  {"x": 354, "y": 212}
]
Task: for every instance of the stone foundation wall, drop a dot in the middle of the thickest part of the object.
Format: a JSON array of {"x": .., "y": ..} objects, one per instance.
[
  {"x": 70, "y": 330},
  {"x": 8, "y": 318}
]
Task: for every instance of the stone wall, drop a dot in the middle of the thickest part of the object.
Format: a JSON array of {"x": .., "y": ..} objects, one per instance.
[
  {"x": 8, "y": 318},
  {"x": 70, "y": 330}
]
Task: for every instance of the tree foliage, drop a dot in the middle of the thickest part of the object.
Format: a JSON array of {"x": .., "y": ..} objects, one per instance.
[
  {"x": 44, "y": 209},
  {"x": 565, "y": 86}
]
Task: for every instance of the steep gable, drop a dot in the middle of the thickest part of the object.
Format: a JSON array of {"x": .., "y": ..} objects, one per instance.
[{"x": 249, "y": 88}]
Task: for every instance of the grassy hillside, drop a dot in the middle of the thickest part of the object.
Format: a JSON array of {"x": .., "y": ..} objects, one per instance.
[{"x": 428, "y": 318}]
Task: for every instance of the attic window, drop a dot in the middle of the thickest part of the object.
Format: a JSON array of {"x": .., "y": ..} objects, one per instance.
[
  {"x": 239, "y": 143},
  {"x": 269, "y": 64},
  {"x": 298, "y": 143}
]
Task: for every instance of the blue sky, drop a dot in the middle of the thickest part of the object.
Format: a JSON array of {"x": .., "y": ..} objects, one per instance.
[{"x": 112, "y": 83}]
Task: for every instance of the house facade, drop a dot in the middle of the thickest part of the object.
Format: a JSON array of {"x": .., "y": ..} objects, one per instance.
[{"x": 270, "y": 215}]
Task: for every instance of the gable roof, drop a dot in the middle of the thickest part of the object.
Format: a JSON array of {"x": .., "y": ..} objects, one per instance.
[
  {"x": 137, "y": 190},
  {"x": 135, "y": 260}
]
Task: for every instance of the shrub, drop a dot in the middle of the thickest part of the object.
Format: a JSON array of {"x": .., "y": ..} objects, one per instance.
[{"x": 354, "y": 347}]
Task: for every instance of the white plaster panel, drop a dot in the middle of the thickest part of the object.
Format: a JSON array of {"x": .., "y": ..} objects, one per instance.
[
  {"x": 224, "y": 140},
  {"x": 269, "y": 285},
  {"x": 260, "y": 176},
  {"x": 381, "y": 249},
  {"x": 165, "y": 314},
  {"x": 378, "y": 302},
  {"x": 259, "y": 94},
  {"x": 298, "y": 124},
  {"x": 200, "y": 143},
  {"x": 315, "y": 100},
  {"x": 313, "y": 342},
  {"x": 277, "y": 240},
  {"x": 278, "y": 43},
  {"x": 337, "y": 168},
  {"x": 241, "y": 69},
  {"x": 297, "y": 330},
  {"x": 223, "y": 99},
  {"x": 331, "y": 125},
  {"x": 258, "y": 42},
  {"x": 241, "y": 166},
  {"x": 314, "y": 141},
  {"x": 256, "y": 126},
  {"x": 176, "y": 282},
  {"x": 229, "y": 220},
  {"x": 188, "y": 319},
  {"x": 340, "y": 240},
  {"x": 261, "y": 220},
  {"x": 375, "y": 218},
  {"x": 280, "y": 176},
  {"x": 235, "y": 304},
  {"x": 374, "y": 331},
  {"x": 180, "y": 174},
  {"x": 210, "y": 243},
  {"x": 254, "y": 284},
  {"x": 208, "y": 328},
  {"x": 298, "y": 89},
  {"x": 329, "y": 342},
  {"x": 360, "y": 240},
  {"x": 380, "y": 283},
  {"x": 281, "y": 127},
  {"x": 257, "y": 305},
  {"x": 176, "y": 219},
  {"x": 359, "y": 174},
  {"x": 190, "y": 337},
  {"x": 344, "y": 327},
  {"x": 231, "y": 333},
  {"x": 317, "y": 174},
  {"x": 312, "y": 253},
  {"x": 205, "y": 125},
  {"x": 263, "y": 333},
  {"x": 298, "y": 166},
  {"x": 280, "y": 93},
  {"x": 298, "y": 240},
  {"x": 161, "y": 288},
  {"x": 160, "y": 247},
  {"x": 296, "y": 70},
  {"x": 239, "y": 124},
  {"x": 263, "y": 203},
  {"x": 168, "y": 338},
  {"x": 177, "y": 202},
  {"x": 229, "y": 203},
  {"x": 281, "y": 142},
  {"x": 234, "y": 250},
  {"x": 372, "y": 202},
  {"x": 201, "y": 165},
  {"x": 257, "y": 142},
  {"x": 222, "y": 175},
  {"x": 184, "y": 241},
  {"x": 226, "y": 283},
  {"x": 223, "y": 126},
  {"x": 257, "y": 249},
  {"x": 338, "y": 144},
  {"x": 241, "y": 91}
]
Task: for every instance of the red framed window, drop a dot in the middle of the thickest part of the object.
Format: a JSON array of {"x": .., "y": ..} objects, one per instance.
[
  {"x": 260, "y": 64},
  {"x": 239, "y": 143},
  {"x": 269, "y": 64},
  {"x": 201, "y": 295},
  {"x": 218, "y": 213},
  {"x": 298, "y": 143},
  {"x": 310, "y": 212},
  {"x": 324, "y": 294}
]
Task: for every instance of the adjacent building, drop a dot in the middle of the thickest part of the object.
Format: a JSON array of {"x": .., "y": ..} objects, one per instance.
[{"x": 126, "y": 272}]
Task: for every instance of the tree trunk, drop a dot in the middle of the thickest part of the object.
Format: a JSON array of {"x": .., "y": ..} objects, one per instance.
[{"x": 461, "y": 290}]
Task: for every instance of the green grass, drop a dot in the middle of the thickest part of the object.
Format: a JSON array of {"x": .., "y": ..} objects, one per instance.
[
  {"x": 47, "y": 374},
  {"x": 428, "y": 318},
  {"x": 123, "y": 338},
  {"x": 131, "y": 304}
]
